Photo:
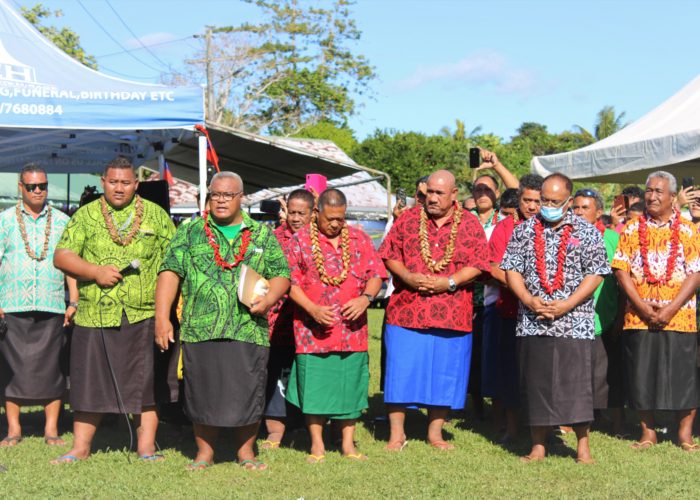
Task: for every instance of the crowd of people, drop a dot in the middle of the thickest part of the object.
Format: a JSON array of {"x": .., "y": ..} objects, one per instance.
[{"x": 531, "y": 297}]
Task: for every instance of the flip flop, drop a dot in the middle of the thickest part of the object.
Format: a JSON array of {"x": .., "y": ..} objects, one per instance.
[
  {"x": 528, "y": 459},
  {"x": 356, "y": 457},
  {"x": 10, "y": 441},
  {"x": 585, "y": 461},
  {"x": 315, "y": 459},
  {"x": 195, "y": 466},
  {"x": 442, "y": 445},
  {"x": 54, "y": 441},
  {"x": 396, "y": 446},
  {"x": 66, "y": 459},
  {"x": 269, "y": 445},
  {"x": 253, "y": 465},
  {"x": 690, "y": 447},
  {"x": 642, "y": 445},
  {"x": 156, "y": 457}
]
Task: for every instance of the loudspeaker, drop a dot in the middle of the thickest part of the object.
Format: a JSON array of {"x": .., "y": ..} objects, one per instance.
[{"x": 156, "y": 191}]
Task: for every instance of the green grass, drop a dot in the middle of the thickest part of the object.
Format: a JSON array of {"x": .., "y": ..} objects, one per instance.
[{"x": 478, "y": 468}]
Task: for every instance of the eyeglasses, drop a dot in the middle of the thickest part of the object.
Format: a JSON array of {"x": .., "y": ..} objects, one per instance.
[
  {"x": 587, "y": 193},
  {"x": 43, "y": 186},
  {"x": 224, "y": 196},
  {"x": 553, "y": 203}
]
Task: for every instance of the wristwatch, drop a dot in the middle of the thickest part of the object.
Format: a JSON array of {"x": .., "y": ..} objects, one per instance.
[
  {"x": 453, "y": 285},
  {"x": 369, "y": 296},
  {"x": 73, "y": 304}
]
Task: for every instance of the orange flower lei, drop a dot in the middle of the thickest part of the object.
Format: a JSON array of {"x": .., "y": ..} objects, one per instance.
[
  {"x": 25, "y": 238},
  {"x": 425, "y": 253},
  {"x": 135, "y": 226},
  {"x": 318, "y": 255}
]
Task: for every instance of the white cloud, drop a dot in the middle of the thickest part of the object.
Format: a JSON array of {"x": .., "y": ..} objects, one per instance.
[
  {"x": 149, "y": 39},
  {"x": 479, "y": 69}
]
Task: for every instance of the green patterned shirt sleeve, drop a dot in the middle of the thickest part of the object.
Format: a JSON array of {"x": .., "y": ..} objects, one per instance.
[{"x": 211, "y": 309}]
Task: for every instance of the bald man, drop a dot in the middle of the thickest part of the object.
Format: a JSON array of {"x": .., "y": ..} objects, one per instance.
[{"x": 433, "y": 252}]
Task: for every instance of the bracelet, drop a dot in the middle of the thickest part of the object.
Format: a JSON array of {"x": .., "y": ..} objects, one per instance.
[{"x": 73, "y": 304}]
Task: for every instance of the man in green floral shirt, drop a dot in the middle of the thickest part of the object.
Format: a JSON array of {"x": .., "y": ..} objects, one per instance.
[
  {"x": 114, "y": 323},
  {"x": 225, "y": 344}
]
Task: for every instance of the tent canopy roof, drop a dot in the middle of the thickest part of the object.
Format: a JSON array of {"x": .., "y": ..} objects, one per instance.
[
  {"x": 262, "y": 162},
  {"x": 667, "y": 138},
  {"x": 70, "y": 118}
]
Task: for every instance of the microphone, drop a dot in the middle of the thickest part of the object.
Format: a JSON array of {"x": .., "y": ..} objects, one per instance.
[{"x": 133, "y": 266}]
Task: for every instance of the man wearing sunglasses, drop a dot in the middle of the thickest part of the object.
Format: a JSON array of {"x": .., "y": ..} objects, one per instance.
[{"x": 32, "y": 303}]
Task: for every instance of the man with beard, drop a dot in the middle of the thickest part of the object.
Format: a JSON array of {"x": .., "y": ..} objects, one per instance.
[
  {"x": 112, "y": 351},
  {"x": 299, "y": 207},
  {"x": 225, "y": 345},
  {"x": 32, "y": 302},
  {"x": 336, "y": 274},
  {"x": 657, "y": 264},
  {"x": 433, "y": 251},
  {"x": 554, "y": 262}
]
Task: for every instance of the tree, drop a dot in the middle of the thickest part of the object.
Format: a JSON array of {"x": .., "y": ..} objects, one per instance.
[
  {"x": 287, "y": 72},
  {"x": 460, "y": 131},
  {"x": 342, "y": 136},
  {"x": 65, "y": 39},
  {"x": 606, "y": 124}
]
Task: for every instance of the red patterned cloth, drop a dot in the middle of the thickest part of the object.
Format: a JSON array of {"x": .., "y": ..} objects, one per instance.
[
  {"x": 281, "y": 316},
  {"x": 507, "y": 303},
  {"x": 453, "y": 311},
  {"x": 365, "y": 264}
]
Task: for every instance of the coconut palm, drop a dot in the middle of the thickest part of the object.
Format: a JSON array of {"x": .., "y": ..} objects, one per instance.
[
  {"x": 460, "y": 132},
  {"x": 607, "y": 123}
]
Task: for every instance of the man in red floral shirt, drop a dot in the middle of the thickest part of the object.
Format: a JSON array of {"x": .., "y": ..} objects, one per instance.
[
  {"x": 336, "y": 274},
  {"x": 299, "y": 207},
  {"x": 433, "y": 252}
]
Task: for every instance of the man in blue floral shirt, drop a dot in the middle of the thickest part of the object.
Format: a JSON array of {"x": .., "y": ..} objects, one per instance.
[{"x": 553, "y": 264}]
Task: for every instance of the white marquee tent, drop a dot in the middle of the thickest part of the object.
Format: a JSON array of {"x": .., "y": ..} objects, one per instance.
[{"x": 667, "y": 138}]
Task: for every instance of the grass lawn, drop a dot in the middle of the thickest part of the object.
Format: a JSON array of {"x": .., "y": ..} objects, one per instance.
[{"x": 478, "y": 468}]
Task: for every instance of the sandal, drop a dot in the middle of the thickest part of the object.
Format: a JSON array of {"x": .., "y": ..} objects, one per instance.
[
  {"x": 643, "y": 445},
  {"x": 269, "y": 445},
  {"x": 527, "y": 459},
  {"x": 9, "y": 441},
  {"x": 690, "y": 447},
  {"x": 253, "y": 465},
  {"x": 585, "y": 461},
  {"x": 356, "y": 457},
  {"x": 156, "y": 457},
  {"x": 66, "y": 459},
  {"x": 442, "y": 445},
  {"x": 396, "y": 445},
  {"x": 315, "y": 459},
  {"x": 54, "y": 441},
  {"x": 201, "y": 465}
]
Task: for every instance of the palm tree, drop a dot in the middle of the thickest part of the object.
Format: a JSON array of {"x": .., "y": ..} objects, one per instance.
[
  {"x": 607, "y": 123},
  {"x": 460, "y": 132}
]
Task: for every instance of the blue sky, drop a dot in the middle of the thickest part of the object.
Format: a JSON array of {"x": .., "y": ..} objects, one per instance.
[{"x": 493, "y": 64}]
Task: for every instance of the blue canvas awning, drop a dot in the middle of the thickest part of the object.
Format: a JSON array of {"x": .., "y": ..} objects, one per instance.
[{"x": 70, "y": 118}]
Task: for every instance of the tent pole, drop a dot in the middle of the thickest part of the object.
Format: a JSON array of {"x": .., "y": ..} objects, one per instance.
[
  {"x": 68, "y": 194},
  {"x": 202, "y": 143},
  {"x": 161, "y": 166}
]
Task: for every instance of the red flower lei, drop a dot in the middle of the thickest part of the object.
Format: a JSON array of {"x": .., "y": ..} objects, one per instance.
[
  {"x": 672, "y": 256},
  {"x": 600, "y": 226},
  {"x": 540, "y": 262},
  {"x": 245, "y": 240}
]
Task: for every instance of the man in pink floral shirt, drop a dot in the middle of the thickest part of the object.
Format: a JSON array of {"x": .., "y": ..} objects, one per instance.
[{"x": 336, "y": 274}]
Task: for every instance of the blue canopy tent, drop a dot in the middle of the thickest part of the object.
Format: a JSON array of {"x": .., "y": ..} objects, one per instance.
[{"x": 69, "y": 118}]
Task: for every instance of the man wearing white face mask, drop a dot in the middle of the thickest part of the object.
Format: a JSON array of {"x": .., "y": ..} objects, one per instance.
[{"x": 553, "y": 263}]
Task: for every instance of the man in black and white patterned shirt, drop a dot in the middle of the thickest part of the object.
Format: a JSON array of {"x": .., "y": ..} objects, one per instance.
[{"x": 553, "y": 264}]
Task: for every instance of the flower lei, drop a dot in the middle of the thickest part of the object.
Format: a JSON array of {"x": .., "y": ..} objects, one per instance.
[
  {"x": 425, "y": 253},
  {"x": 672, "y": 255},
  {"x": 493, "y": 219},
  {"x": 318, "y": 256},
  {"x": 218, "y": 259},
  {"x": 540, "y": 262},
  {"x": 135, "y": 226},
  {"x": 600, "y": 226},
  {"x": 25, "y": 238}
]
